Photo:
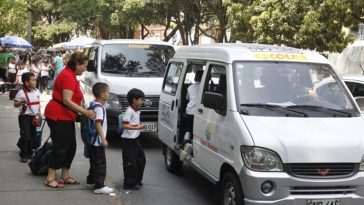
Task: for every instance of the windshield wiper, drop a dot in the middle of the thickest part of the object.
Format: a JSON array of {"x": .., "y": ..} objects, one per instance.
[
  {"x": 273, "y": 108},
  {"x": 322, "y": 109}
]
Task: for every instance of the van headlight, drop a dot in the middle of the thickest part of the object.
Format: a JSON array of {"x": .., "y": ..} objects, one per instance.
[
  {"x": 260, "y": 159},
  {"x": 113, "y": 102},
  {"x": 361, "y": 167}
]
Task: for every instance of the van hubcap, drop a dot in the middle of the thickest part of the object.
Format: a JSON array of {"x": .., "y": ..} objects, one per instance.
[{"x": 229, "y": 196}]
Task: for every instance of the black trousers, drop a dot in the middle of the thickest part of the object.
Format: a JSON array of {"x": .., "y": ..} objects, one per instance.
[
  {"x": 11, "y": 77},
  {"x": 3, "y": 74},
  {"x": 43, "y": 83},
  {"x": 133, "y": 161},
  {"x": 63, "y": 137},
  {"x": 97, "y": 171},
  {"x": 27, "y": 135}
]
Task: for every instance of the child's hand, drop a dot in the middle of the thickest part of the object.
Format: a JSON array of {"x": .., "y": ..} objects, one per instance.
[
  {"x": 141, "y": 126},
  {"x": 105, "y": 144}
]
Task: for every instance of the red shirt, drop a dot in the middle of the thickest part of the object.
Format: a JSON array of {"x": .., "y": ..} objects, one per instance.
[{"x": 65, "y": 80}]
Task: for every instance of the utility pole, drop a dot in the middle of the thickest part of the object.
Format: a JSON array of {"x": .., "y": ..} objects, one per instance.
[{"x": 29, "y": 30}]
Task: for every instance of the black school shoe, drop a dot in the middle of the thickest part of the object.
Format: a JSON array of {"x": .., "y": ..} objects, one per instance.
[
  {"x": 23, "y": 159},
  {"x": 131, "y": 187}
]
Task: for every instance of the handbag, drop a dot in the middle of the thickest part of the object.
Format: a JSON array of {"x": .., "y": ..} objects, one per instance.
[{"x": 37, "y": 119}]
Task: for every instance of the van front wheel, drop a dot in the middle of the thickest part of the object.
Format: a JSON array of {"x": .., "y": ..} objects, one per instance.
[
  {"x": 230, "y": 190},
  {"x": 171, "y": 160}
]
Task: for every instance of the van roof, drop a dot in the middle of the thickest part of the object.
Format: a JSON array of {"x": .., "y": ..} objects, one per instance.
[
  {"x": 129, "y": 41},
  {"x": 229, "y": 52}
]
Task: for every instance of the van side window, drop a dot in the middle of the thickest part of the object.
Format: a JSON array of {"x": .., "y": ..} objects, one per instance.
[
  {"x": 170, "y": 83},
  {"x": 216, "y": 79},
  {"x": 92, "y": 60}
]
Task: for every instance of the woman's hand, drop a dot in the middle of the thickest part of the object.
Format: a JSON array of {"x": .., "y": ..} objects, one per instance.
[{"x": 90, "y": 114}]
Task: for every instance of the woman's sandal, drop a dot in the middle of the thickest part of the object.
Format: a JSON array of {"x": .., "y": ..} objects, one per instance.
[
  {"x": 70, "y": 180},
  {"x": 57, "y": 185}
]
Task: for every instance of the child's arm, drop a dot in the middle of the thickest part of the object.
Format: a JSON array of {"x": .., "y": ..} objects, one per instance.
[
  {"x": 133, "y": 127},
  {"x": 17, "y": 103},
  {"x": 98, "y": 125}
]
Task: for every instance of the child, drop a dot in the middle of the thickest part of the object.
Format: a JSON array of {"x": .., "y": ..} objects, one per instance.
[
  {"x": 44, "y": 75},
  {"x": 133, "y": 153},
  {"x": 12, "y": 69},
  {"x": 97, "y": 171},
  {"x": 29, "y": 108},
  {"x": 19, "y": 73}
]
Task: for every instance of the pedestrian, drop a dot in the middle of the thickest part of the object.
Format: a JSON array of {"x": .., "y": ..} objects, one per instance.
[
  {"x": 97, "y": 171},
  {"x": 61, "y": 114},
  {"x": 35, "y": 68},
  {"x": 27, "y": 99},
  {"x": 44, "y": 75},
  {"x": 19, "y": 72},
  {"x": 58, "y": 64},
  {"x": 5, "y": 56},
  {"x": 27, "y": 62},
  {"x": 12, "y": 70},
  {"x": 133, "y": 153}
]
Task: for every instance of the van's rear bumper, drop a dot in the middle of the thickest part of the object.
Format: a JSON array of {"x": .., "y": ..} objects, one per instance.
[{"x": 349, "y": 190}]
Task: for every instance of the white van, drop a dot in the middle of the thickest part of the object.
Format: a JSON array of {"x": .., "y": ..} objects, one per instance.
[
  {"x": 266, "y": 130},
  {"x": 125, "y": 64}
]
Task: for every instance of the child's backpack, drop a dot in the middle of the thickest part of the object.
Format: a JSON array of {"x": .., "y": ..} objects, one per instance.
[
  {"x": 88, "y": 129},
  {"x": 120, "y": 124}
]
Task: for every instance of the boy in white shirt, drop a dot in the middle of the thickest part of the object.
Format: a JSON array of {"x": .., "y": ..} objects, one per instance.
[
  {"x": 28, "y": 99},
  {"x": 133, "y": 153},
  {"x": 97, "y": 171}
]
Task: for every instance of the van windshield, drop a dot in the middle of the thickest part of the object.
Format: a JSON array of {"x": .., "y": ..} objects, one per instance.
[
  {"x": 282, "y": 88},
  {"x": 140, "y": 60}
]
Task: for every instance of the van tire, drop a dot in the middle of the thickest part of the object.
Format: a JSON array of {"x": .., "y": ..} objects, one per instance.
[
  {"x": 171, "y": 160},
  {"x": 230, "y": 190}
]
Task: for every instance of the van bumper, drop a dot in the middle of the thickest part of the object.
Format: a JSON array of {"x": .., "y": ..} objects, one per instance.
[{"x": 348, "y": 190}]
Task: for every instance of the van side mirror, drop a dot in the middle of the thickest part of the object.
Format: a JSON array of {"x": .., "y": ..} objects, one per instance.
[
  {"x": 360, "y": 101},
  {"x": 214, "y": 101}
]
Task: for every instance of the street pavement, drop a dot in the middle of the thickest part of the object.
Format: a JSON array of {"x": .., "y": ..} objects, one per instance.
[
  {"x": 19, "y": 186},
  {"x": 160, "y": 187}
]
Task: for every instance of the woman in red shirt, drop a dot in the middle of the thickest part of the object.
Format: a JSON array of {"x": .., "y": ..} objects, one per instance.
[{"x": 61, "y": 113}]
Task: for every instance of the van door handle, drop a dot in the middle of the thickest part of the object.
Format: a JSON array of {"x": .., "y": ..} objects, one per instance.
[
  {"x": 200, "y": 110},
  {"x": 172, "y": 106}
]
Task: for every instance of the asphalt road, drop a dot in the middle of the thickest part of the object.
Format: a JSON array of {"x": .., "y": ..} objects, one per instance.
[{"x": 160, "y": 186}]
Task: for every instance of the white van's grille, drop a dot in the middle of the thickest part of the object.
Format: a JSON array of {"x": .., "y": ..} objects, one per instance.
[
  {"x": 153, "y": 99},
  {"x": 322, "y": 170},
  {"x": 315, "y": 190}
]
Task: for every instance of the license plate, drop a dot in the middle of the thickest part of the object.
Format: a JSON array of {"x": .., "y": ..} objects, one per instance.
[
  {"x": 150, "y": 127},
  {"x": 323, "y": 202}
]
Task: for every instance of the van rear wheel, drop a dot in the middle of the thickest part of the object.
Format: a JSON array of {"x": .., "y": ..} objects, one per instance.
[
  {"x": 171, "y": 160},
  {"x": 230, "y": 190}
]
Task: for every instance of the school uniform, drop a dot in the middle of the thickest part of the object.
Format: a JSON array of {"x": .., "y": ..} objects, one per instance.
[
  {"x": 133, "y": 154},
  {"x": 27, "y": 111},
  {"x": 97, "y": 171}
]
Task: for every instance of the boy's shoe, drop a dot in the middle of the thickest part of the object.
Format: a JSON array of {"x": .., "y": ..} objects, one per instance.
[
  {"x": 186, "y": 151},
  {"x": 23, "y": 159},
  {"x": 136, "y": 187},
  {"x": 104, "y": 190}
]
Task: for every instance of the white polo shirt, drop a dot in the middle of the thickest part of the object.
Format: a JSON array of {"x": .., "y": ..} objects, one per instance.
[
  {"x": 100, "y": 116},
  {"x": 131, "y": 117},
  {"x": 192, "y": 92},
  {"x": 34, "y": 98}
]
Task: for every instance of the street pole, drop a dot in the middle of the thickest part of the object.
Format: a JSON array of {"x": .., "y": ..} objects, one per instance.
[{"x": 29, "y": 30}]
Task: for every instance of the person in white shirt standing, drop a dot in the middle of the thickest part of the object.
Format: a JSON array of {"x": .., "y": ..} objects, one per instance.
[
  {"x": 191, "y": 110},
  {"x": 133, "y": 153},
  {"x": 44, "y": 75},
  {"x": 12, "y": 69},
  {"x": 28, "y": 101}
]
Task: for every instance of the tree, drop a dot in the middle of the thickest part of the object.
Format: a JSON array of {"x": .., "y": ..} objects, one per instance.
[{"x": 13, "y": 17}]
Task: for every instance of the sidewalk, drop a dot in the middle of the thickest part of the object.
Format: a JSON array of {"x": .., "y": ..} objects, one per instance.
[{"x": 19, "y": 186}]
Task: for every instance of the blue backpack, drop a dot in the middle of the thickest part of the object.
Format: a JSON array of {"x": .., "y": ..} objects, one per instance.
[
  {"x": 120, "y": 124},
  {"x": 89, "y": 132}
]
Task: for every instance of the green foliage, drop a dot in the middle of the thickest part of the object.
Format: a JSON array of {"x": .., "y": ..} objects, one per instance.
[{"x": 13, "y": 17}]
